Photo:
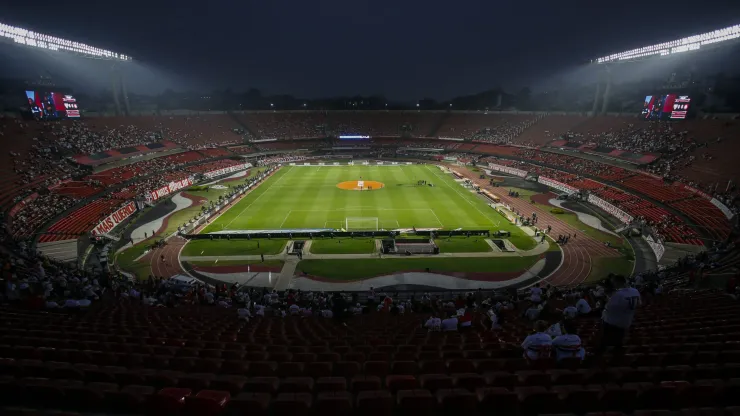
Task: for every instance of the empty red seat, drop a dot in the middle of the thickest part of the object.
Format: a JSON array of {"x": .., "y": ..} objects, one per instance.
[
  {"x": 206, "y": 403},
  {"x": 256, "y": 404},
  {"x": 418, "y": 400},
  {"x": 374, "y": 403},
  {"x": 168, "y": 401},
  {"x": 290, "y": 404},
  {"x": 401, "y": 382},
  {"x": 331, "y": 384},
  {"x": 362, "y": 383},
  {"x": 457, "y": 401},
  {"x": 333, "y": 403}
]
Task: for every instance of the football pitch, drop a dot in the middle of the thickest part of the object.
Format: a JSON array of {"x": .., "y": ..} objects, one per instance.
[{"x": 337, "y": 197}]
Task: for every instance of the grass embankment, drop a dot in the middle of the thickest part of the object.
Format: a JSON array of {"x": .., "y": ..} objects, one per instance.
[
  {"x": 126, "y": 260},
  {"x": 461, "y": 244},
  {"x": 343, "y": 246},
  {"x": 233, "y": 247},
  {"x": 356, "y": 269}
]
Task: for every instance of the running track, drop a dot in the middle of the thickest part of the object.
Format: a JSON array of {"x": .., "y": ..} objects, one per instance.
[
  {"x": 171, "y": 264},
  {"x": 577, "y": 254}
]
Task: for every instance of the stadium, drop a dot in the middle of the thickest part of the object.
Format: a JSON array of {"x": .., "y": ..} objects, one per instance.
[{"x": 335, "y": 258}]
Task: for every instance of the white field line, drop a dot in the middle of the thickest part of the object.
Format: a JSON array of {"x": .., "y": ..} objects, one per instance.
[
  {"x": 435, "y": 216},
  {"x": 286, "y": 219},
  {"x": 256, "y": 199},
  {"x": 496, "y": 224}
]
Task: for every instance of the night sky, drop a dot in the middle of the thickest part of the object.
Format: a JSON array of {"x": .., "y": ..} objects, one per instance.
[{"x": 404, "y": 49}]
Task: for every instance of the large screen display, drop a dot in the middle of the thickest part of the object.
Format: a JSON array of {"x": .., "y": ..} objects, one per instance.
[
  {"x": 666, "y": 107},
  {"x": 52, "y": 105}
]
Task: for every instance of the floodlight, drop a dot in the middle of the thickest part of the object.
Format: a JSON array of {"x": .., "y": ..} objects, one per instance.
[
  {"x": 38, "y": 40},
  {"x": 687, "y": 44}
]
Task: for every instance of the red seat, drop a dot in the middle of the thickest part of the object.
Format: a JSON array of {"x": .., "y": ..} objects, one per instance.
[
  {"x": 129, "y": 399},
  {"x": 318, "y": 369},
  {"x": 331, "y": 384},
  {"x": 469, "y": 382},
  {"x": 375, "y": 403},
  {"x": 206, "y": 403},
  {"x": 256, "y": 404},
  {"x": 290, "y": 404},
  {"x": 168, "y": 401},
  {"x": 401, "y": 382},
  {"x": 333, "y": 403},
  {"x": 347, "y": 369},
  {"x": 296, "y": 385},
  {"x": 416, "y": 401},
  {"x": 262, "y": 385},
  {"x": 434, "y": 382},
  {"x": 376, "y": 368},
  {"x": 460, "y": 401},
  {"x": 363, "y": 383}
]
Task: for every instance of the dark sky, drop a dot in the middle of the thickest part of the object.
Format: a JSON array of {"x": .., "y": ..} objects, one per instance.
[{"x": 405, "y": 49}]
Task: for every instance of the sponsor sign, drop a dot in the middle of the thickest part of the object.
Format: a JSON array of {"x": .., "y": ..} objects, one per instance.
[
  {"x": 168, "y": 189},
  {"x": 114, "y": 219},
  {"x": 506, "y": 169},
  {"x": 224, "y": 171},
  {"x": 611, "y": 209},
  {"x": 557, "y": 185}
]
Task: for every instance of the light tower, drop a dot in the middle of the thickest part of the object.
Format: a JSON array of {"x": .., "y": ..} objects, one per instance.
[
  {"x": 28, "y": 38},
  {"x": 665, "y": 49}
]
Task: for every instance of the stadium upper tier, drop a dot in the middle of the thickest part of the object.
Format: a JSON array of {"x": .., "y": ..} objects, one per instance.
[{"x": 696, "y": 152}]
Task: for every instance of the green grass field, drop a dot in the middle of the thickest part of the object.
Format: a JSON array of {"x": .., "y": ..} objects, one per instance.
[
  {"x": 356, "y": 269},
  {"x": 462, "y": 245},
  {"x": 343, "y": 246},
  {"x": 299, "y": 197},
  {"x": 233, "y": 247}
]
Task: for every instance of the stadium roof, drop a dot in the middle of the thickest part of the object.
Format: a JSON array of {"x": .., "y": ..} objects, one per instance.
[
  {"x": 690, "y": 43},
  {"x": 39, "y": 40}
]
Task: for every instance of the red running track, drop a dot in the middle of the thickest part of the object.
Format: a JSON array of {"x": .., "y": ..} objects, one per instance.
[
  {"x": 577, "y": 254},
  {"x": 171, "y": 264}
]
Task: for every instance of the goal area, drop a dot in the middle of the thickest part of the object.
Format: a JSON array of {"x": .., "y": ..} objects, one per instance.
[{"x": 361, "y": 224}]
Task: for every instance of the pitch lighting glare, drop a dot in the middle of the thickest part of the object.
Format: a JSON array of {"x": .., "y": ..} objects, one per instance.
[
  {"x": 38, "y": 40},
  {"x": 690, "y": 43}
]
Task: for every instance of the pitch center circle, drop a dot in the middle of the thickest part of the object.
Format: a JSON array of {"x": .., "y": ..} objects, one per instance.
[{"x": 360, "y": 185}]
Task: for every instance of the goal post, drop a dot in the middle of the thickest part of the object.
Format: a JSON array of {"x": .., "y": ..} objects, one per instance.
[{"x": 361, "y": 223}]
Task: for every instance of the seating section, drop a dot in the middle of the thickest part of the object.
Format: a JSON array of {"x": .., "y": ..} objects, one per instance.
[
  {"x": 81, "y": 220},
  {"x": 682, "y": 354}
]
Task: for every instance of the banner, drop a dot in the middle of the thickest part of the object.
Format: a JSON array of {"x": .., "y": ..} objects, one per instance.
[
  {"x": 722, "y": 207},
  {"x": 230, "y": 169},
  {"x": 114, "y": 219},
  {"x": 657, "y": 247},
  {"x": 168, "y": 189},
  {"x": 25, "y": 201},
  {"x": 611, "y": 209},
  {"x": 698, "y": 192},
  {"x": 505, "y": 169},
  {"x": 557, "y": 185}
]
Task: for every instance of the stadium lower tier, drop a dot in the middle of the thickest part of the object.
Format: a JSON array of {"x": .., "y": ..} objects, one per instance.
[{"x": 682, "y": 352}]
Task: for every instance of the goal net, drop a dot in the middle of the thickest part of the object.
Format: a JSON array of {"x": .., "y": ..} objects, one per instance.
[{"x": 361, "y": 223}]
